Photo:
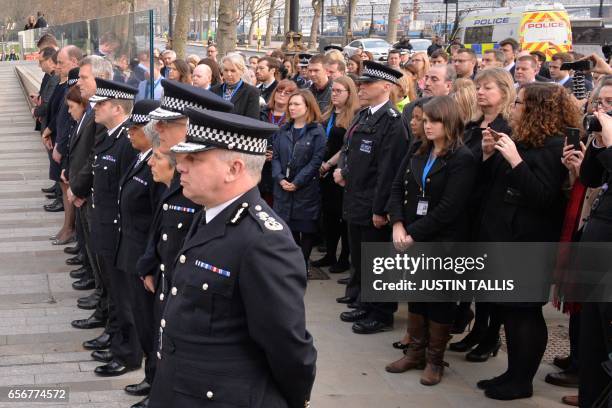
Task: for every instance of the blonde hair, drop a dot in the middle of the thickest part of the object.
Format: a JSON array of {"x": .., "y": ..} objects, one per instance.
[
  {"x": 334, "y": 55},
  {"x": 421, "y": 73},
  {"x": 504, "y": 82},
  {"x": 350, "y": 107},
  {"x": 464, "y": 92},
  {"x": 236, "y": 60}
]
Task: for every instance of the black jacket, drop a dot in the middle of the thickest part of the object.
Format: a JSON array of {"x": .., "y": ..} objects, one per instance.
[
  {"x": 81, "y": 155},
  {"x": 267, "y": 92},
  {"x": 248, "y": 306},
  {"x": 47, "y": 88},
  {"x": 323, "y": 96},
  {"x": 112, "y": 158},
  {"x": 447, "y": 190},
  {"x": 371, "y": 158},
  {"x": 138, "y": 198},
  {"x": 245, "y": 100},
  {"x": 524, "y": 204},
  {"x": 472, "y": 137},
  {"x": 596, "y": 169}
]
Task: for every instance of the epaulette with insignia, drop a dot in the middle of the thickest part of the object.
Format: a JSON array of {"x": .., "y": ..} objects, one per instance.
[
  {"x": 393, "y": 113},
  {"x": 268, "y": 221},
  {"x": 239, "y": 214}
]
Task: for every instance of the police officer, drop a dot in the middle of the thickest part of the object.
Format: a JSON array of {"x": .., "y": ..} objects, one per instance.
[
  {"x": 233, "y": 329},
  {"x": 375, "y": 146},
  {"x": 301, "y": 78},
  {"x": 112, "y": 160},
  {"x": 174, "y": 213}
]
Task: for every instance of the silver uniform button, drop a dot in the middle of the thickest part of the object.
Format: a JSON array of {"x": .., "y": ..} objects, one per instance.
[
  {"x": 165, "y": 237},
  {"x": 180, "y": 225},
  {"x": 258, "y": 208},
  {"x": 163, "y": 323},
  {"x": 159, "y": 355},
  {"x": 96, "y": 157},
  {"x": 165, "y": 207},
  {"x": 115, "y": 221},
  {"x": 162, "y": 267},
  {"x": 182, "y": 259},
  {"x": 173, "y": 291},
  {"x": 209, "y": 395},
  {"x": 105, "y": 167},
  {"x": 245, "y": 205},
  {"x": 205, "y": 286},
  {"x": 161, "y": 297},
  {"x": 93, "y": 206}
]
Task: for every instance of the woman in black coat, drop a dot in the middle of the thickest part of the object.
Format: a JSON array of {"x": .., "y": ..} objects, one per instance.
[
  {"x": 495, "y": 98},
  {"x": 523, "y": 202},
  {"x": 428, "y": 203},
  {"x": 245, "y": 97},
  {"x": 297, "y": 155}
]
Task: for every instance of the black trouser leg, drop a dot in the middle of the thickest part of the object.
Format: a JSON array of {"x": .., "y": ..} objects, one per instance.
[
  {"x": 574, "y": 338},
  {"x": 526, "y": 337},
  {"x": 142, "y": 316},
  {"x": 306, "y": 242},
  {"x": 482, "y": 313},
  {"x": 594, "y": 320},
  {"x": 332, "y": 233},
  {"x": 102, "y": 308},
  {"x": 345, "y": 252},
  {"x": 353, "y": 286}
]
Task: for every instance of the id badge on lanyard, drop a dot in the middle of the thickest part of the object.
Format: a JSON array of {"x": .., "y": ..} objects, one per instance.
[{"x": 423, "y": 201}]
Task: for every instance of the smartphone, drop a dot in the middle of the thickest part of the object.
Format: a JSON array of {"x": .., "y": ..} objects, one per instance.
[
  {"x": 495, "y": 135},
  {"x": 572, "y": 136}
]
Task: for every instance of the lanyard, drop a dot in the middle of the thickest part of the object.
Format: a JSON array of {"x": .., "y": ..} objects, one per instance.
[
  {"x": 430, "y": 162},
  {"x": 233, "y": 92},
  {"x": 274, "y": 122},
  {"x": 330, "y": 124},
  {"x": 294, "y": 141},
  {"x": 148, "y": 89}
]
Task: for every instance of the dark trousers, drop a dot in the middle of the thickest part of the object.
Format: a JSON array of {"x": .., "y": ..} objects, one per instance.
[
  {"x": 142, "y": 316},
  {"x": 595, "y": 321},
  {"x": 83, "y": 219},
  {"x": 358, "y": 234},
  {"x": 336, "y": 231},
  {"x": 439, "y": 312},
  {"x": 574, "y": 338},
  {"x": 80, "y": 233},
  {"x": 125, "y": 345}
]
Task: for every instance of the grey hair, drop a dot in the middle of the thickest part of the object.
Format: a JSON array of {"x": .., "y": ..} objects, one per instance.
[
  {"x": 236, "y": 59},
  {"x": 171, "y": 53},
  {"x": 152, "y": 134},
  {"x": 451, "y": 73},
  {"x": 253, "y": 163},
  {"x": 100, "y": 67}
]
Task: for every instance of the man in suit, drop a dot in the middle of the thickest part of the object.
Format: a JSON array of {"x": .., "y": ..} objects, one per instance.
[
  {"x": 266, "y": 71},
  {"x": 510, "y": 47},
  {"x": 563, "y": 77},
  {"x": 235, "y": 350},
  {"x": 113, "y": 157}
]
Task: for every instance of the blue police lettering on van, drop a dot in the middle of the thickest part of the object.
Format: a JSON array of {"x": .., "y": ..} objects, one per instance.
[{"x": 491, "y": 21}]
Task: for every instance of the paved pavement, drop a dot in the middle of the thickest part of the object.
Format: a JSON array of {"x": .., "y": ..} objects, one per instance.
[{"x": 39, "y": 347}]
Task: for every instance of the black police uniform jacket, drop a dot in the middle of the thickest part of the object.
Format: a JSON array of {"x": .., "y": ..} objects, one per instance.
[
  {"x": 138, "y": 198},
  {"x": 173, "y": 218},
  {"x": 372, "y": 156},
  {"x": 448, "y": 186},
  {"x": 113, "y": 156},
  {"x": 237, "y": 304}
]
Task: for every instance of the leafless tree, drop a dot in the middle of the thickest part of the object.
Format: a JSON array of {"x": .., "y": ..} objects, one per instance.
[
  {"x": 394, "y": 7},
  {"x": 317, "y": 6}
]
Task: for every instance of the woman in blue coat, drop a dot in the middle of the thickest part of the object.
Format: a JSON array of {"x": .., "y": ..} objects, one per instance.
[{"x": 298, "y": 150}]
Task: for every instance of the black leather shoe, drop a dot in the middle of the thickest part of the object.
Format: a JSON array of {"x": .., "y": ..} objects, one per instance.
[
  {"x": 103, "y": 356},
  {"x": 141, "y": 404},
  {"x": 500, "y": 379},
  {"x": 91, "y": 322},
  {"x": 75, "y": 260},
  {"x": 562, "y": 362},
  {"x": 55, "y": 206},
  {"x": 345, "y": 300},
  {"x": 139, "y": 389},
  {"x": 483, "y": 351},
  {"x": 339, "y": 267},
  {"x": 94, "y": 297},
  {"x": 371, "y": 326},
  {"x": 468, "y": 342},
  {"x": 353, "y": 315},
  {"x": 91, "y": 305},
  {"x": 84, "y": 284},
  {"x": 49, "y": 190},
  {"x": 343, "y": 281},
  {"x": 325, "y": 261},
  {"x": 509, "y": 391},
  {"x": 567, "y": 378},
  {"x": 72, "y": 250},
  {"x": 353, "y": 305},
  {"x": 52, "y": 196},
  {"x": 101, "y": 342},
  {"x": 113, "y": 369},
  {"x": 78, "y": 273}
]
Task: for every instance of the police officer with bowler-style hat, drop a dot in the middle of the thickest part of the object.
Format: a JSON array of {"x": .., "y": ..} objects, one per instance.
[{"x": 233, "y": 329}]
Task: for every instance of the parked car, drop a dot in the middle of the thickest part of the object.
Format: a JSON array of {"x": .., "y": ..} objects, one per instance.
[{"x": 377, "y": 46}]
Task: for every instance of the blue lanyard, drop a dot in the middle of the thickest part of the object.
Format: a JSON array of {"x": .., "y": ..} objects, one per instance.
[
  {"x": 430, "y": 162},
  {"x": 330, "y": 124},
  {"x": 233, "y": 92},
  {"x": 275, "y": 122}
]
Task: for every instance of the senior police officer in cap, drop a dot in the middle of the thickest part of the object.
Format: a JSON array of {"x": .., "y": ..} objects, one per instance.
[
  {"x": 113, "y": 157},
  {"x": 376, "y": 143},
  {"x": 138, "y": 198},
  {"x": 233, "y": 329},
  {"x": 171, "y": 121},
  {"x": 174, "y": 212}
]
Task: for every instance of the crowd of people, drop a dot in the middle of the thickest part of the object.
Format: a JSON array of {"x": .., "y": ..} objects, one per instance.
[{"x": 427, "y": 147}]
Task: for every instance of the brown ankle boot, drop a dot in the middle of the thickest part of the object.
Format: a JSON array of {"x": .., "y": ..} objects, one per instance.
[
  {"x": 439, "y": 335},
  {"x": 414, "y": 355}
]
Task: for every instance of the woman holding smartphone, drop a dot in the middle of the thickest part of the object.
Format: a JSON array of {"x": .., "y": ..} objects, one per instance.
[
  {"x": 523, "y": 202},
  {"x": 428, "y": 203},
  {"x": 297, "y": 153}
]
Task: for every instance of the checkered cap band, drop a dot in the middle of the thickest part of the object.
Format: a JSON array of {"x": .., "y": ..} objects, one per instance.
[
  {"x": 136, "y": 118},
  {"x": 113, "y": 94},
  {"x": 379, "y": 74},
  {"x": 72, "y": 81},
  {"x": 177, "y": 105},
  {"x": 228, "y": 140}
]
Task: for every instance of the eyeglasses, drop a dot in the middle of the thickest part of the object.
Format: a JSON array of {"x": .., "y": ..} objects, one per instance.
[
  {"x": 518, "y": 102},
  {"x": 602, "y": 102},
  {"x": 284, "y": 92},
  {"x": 338, "y": 91}
]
